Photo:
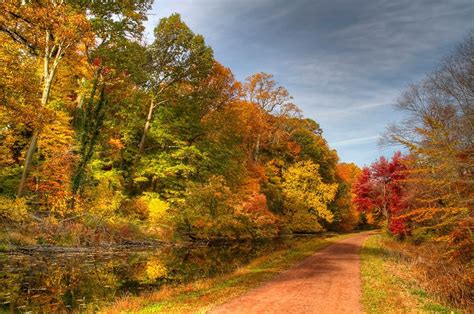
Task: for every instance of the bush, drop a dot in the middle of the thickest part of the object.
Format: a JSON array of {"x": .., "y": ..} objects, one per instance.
[
  {"x": 13, "y": 210},
  {"x": 450, "y": 280}
]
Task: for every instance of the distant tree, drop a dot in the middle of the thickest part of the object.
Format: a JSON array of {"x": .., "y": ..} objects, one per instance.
[
  {"x": 380, "y": 190},
  {"x": 307, "y": 197},
  {"x": 346, "y": 215},
  {"x": 274, "y": 100}
]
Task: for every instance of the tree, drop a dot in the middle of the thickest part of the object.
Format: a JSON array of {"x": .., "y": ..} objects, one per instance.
[
  {"x": 380, "y": 190},
  {"x": 307, "y": 197},
  {"x": 262, "y": 90},
  {"x": 51, "y": 181},
  {"x": 117, "y": 61},
  {"x": 346, "y": 215},
  {"x": 176, "y": 56},
  {"x": 50, "y": 31},
  {"x": 307, "y": 134},
  {"x": 439, "y": 134}
]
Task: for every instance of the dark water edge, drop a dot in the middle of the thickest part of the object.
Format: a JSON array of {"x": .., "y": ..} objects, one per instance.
[{"x": 51, "y": 280}]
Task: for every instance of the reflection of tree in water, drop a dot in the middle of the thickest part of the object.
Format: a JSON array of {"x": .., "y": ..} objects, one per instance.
[
  {"x": 54, "y": 282},
  {"x": 47, "y": 283}
]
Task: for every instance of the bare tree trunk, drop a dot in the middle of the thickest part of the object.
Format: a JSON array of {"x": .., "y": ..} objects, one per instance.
[
  {"x": 153, "y": 105},
  {"x": 28, "y": 162},
  {"x": 141, "y": 147},
  {"x": 257, "y": 147}
]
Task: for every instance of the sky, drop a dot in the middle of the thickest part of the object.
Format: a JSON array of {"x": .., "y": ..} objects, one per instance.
[{"x": 344, "y": 62}]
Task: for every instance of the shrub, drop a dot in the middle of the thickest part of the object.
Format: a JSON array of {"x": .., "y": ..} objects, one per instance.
[{"x": 13, "y": 210}]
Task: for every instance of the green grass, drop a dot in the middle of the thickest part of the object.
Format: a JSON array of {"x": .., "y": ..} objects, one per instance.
[
  {"x": 201, "y": 296},
  {"x": 385, "y": 292}
]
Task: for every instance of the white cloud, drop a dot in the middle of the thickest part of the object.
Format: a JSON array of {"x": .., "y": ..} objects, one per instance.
[{"x": 353, "y": 141}]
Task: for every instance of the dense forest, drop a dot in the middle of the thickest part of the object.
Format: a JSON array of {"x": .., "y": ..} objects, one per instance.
[{"x": 107, "y": 139}]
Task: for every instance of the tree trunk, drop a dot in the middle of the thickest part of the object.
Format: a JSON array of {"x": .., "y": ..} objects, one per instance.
[
  {"x": 28, "y": 162},
  {"x": 92, "y": 123},
  {"x": 257, "y": 147},
  {"x": 34, "y": 139},
  {"x": 141, "y": 147},
  {"x": 48, "y": 76}
]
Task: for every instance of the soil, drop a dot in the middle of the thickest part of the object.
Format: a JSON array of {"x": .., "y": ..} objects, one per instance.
[{"x": 327, "y": 282}]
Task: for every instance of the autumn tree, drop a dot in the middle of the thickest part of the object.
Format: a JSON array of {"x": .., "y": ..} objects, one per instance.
[
  {"x": 438, "y": 133},
  {"x": 307, "y": 197},
  {"x": 274, "y": 101},
  {"x": 380, "y": 190},
  {"x": 346, "y": 215},
  {"x": 51, "y": 32},
  {"x": 176, "y": 56},
  {"x": 308, "y": 135}
]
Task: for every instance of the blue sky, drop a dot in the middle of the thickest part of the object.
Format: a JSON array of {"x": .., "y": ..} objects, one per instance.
[{"x": 344, "y": 62}]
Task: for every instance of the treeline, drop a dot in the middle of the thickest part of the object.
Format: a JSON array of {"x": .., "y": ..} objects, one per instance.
[
  {"x": 105, "y": 138},
  {"x": 427, "y": 195}
]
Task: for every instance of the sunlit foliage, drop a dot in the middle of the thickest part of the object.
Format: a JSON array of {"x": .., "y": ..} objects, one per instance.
[{"x": 106, "y": 138}]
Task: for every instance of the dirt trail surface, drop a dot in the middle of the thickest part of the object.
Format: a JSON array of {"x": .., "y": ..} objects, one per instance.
[{"x": 327, "y": 282}]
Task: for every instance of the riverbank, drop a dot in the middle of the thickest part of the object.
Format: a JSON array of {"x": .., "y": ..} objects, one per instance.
[
  {"x": 388, "y": 284},
  {"x": 149, "y": 244},
  {"x": 205, "y": 294},
  {"x": 90, "y": 279}
]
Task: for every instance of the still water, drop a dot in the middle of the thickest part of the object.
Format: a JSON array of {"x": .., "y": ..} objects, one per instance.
[{"x": 85, "y": 282}]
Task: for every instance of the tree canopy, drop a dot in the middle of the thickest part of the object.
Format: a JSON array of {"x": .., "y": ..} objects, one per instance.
[{"x": 100, "y": 129}]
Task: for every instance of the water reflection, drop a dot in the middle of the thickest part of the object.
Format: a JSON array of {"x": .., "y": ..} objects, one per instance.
[{"x": 84, "y": 282}]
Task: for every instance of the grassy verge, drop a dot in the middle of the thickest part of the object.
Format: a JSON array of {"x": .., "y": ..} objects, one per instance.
[
  {"x": 203, "y": 295},
  {"x": 385, "y": 290}
]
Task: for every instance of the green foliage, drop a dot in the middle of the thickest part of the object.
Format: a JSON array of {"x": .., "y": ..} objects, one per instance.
[
  {"x": 177, "y": 54},
  {"x": 106, "y": 196},
  {"x": 207, "y": 210}
]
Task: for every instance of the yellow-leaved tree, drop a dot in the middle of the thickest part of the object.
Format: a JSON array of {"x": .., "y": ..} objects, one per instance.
[
  {"x": 307, "y": 197},
  {"x": 49, "y": 34}
]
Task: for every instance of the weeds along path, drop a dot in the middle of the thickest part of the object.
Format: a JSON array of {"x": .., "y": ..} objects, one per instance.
[{"x": 327, "y": 282}]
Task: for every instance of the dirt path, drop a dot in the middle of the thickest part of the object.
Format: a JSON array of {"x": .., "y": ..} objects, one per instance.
[{"x": 327, "y": 282}]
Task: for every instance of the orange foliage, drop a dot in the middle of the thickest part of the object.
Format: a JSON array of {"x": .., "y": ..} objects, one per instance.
[
  {"x": 256, "y": 203},
  {"x": 349, "y": 214},
  {"x": 294, "y": 148},
  {"x": 52, "y": 178},
  {"x": 348, "y": 172}
]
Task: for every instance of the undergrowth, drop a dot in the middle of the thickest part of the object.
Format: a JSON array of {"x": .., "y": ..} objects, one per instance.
[{"x": 403, "y": 278}]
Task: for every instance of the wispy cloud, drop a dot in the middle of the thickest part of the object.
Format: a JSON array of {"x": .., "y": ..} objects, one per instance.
[{"x": 353, "y": 141}]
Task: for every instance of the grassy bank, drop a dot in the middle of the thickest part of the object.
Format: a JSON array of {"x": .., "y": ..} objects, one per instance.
[
  {"x": 387, "y": 287},
  {"x": 200, "y": 296}
]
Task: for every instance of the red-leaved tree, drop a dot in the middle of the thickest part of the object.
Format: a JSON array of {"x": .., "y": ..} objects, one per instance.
[{"x": 379, "y": 189}]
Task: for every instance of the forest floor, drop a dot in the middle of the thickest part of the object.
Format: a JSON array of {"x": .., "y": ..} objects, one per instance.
[{"x": 330, "y": 279}]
